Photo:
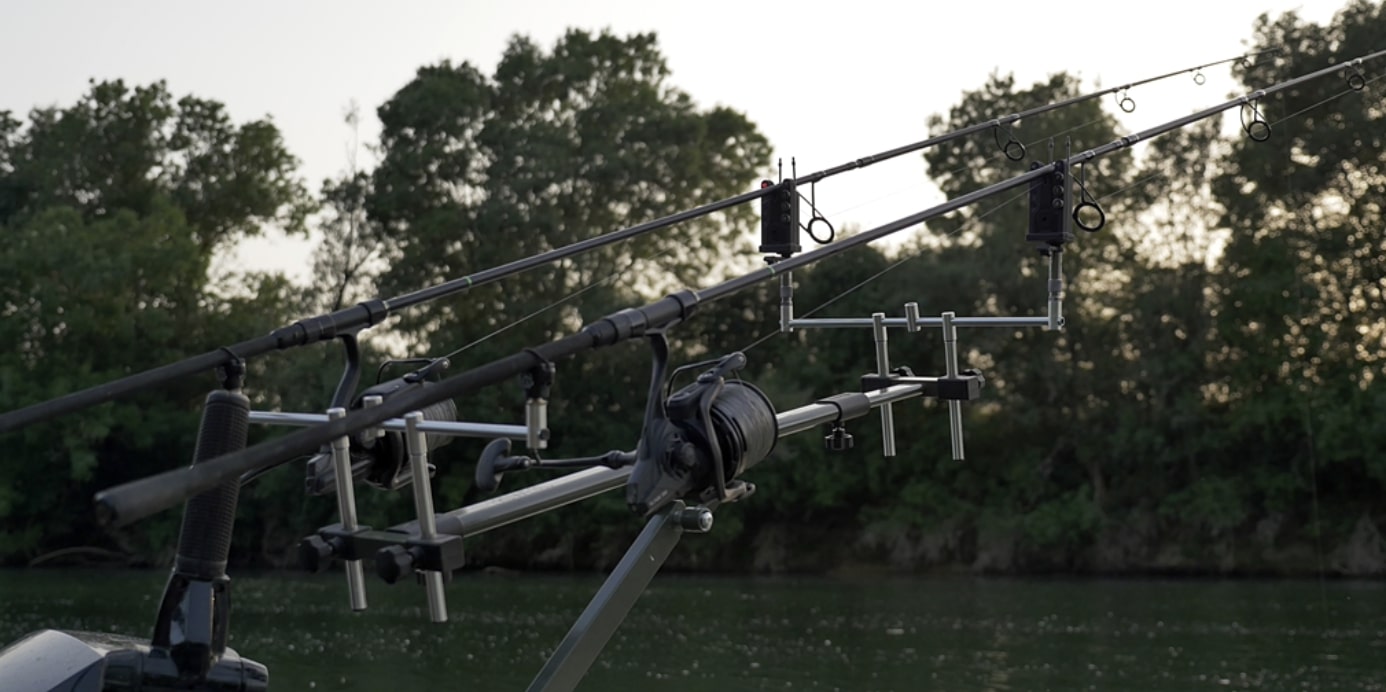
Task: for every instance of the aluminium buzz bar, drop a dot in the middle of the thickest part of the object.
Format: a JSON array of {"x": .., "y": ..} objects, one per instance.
[
  {"x": 414, "y": 426},
  {"x": 912, "y": 321},
  {"x": 455, "y": 429}
]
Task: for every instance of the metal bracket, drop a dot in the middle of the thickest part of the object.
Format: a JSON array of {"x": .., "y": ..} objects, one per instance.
[
  {"x": 881, "y": 336},
  {"x": 950, "y": 364},
  {"x": 423, "y": 505},
  {"x": 346, "y": 507},
  {"x": 617, "y": 595},
  {"x": 965, "y": 387},
  {"x": 537, "y": 383},
  {"x": 397, "y": 552}
]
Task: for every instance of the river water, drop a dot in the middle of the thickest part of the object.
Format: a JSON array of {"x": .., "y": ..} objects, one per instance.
[{"x": 722, "y": 633}]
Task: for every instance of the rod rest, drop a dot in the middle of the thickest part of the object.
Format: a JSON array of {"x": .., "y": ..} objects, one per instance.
[{"x": 965, "y": 387}]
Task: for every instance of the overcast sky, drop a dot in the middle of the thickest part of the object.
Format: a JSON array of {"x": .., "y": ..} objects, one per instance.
[{"x": 827, "y": 82}]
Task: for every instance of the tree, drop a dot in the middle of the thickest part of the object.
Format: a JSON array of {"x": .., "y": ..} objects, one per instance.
[
  {"x": 344, "y": 252},
  {"x": 1301, "y": 282},
  {"x": 1045, "y": 492},
  {"x": 555, "y": 146},
  {"x": 113, "y": 209}
]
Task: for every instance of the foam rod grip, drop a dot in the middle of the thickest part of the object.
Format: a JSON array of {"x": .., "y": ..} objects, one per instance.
[{"x": 205, "y": 539}]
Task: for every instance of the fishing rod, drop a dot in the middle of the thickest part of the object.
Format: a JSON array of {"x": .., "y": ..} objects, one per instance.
[
  {"x": 131, "y": 501},
  {"x": 346, "y": 323},
  {"x": 137, "y": 499},
  {"x": 1013, "y": 148}
]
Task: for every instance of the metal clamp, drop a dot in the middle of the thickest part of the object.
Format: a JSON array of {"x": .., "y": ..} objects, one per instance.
[
  {"x": 537, "y": 383},
  {"x": 878, "y": 330},
  {"x": 950, "y": 364},
  {"x": 346, "y": 506}
]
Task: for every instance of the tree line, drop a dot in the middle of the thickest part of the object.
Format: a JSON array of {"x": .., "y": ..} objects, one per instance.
[{"x": 1212, "y": 406}]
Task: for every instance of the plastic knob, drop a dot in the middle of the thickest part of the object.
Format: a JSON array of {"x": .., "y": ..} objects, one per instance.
[
  {"x": 696, "y": 519},
  {"x": 838, "y": 440},
  {"x": 315, "y": 553},
  {"x": 393, "y": 563}
]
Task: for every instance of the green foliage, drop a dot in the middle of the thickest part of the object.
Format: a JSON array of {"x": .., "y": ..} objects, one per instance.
[
  {"x": 1219, "y": 375},
  {"x": 1299, "y": 308},
  {"x": 113, "y": 209},
  {"x": 1063, "y": 525},
  {"x": 1210, "y": 504},
  {"x": 554, "y": 147}
]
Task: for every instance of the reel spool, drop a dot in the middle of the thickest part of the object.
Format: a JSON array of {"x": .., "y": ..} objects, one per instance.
[
  {"x": 389, "y": 456},
  {"x": 381, "y": 457},
  {"x": 701, "y": 439}
]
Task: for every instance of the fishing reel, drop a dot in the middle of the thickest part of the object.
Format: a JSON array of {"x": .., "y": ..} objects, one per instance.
[
  {"x": 700, "y": 439},
  {"x": 378, "y": 456}
]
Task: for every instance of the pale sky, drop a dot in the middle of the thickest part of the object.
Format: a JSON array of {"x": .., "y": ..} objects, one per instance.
[{"x": 825, "y": 82}]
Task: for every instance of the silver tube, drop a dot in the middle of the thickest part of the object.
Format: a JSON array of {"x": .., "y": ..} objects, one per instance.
[
  {"x": 950, "y": 362},
  {"x": 455, "y": 429},
  {"x": 859, "y": 322},
  {"x": 787, "y": 302},
  {"x": 882, "y": 337},
  {"x": 527, "y": 502},
  {"x": 423, "y": 505},
  {"x": 371, "y": 402},
  {"x": 575, "y": 487},
  {"x": 537, "y": 423},
  {"x": 805, "y": 417},
  {"x": 1056, "y": 291},
  {"x": 346, "y": 508},
  {"x": 912, "y": 317}
]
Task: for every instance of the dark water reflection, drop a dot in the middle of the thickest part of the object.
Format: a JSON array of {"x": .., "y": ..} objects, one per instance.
[{"x": 699, "y": 633}]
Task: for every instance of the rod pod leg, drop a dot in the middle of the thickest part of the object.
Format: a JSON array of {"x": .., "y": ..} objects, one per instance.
[{"x": 604, "y": 613}]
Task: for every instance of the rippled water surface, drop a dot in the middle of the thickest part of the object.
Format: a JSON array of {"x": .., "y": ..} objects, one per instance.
[{"x": 700, "y": 633}]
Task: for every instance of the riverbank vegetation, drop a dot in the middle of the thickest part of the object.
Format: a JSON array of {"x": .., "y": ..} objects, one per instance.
[{"x": 1214, "y": 405}]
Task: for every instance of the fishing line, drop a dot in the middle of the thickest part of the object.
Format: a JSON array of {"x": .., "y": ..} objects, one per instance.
[
  {"x": 995, "y": 157},
  {"x": 1352, "y": 88},
  {"x": 348, "y": 322},
  {"x": 1306, "y": 415},
  {"x": 1164, "y": 174},
  {"x": 1127, "y": 105},
  {"x": 1345, "y": 92},
  {"x": 560, "y": 301}
]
